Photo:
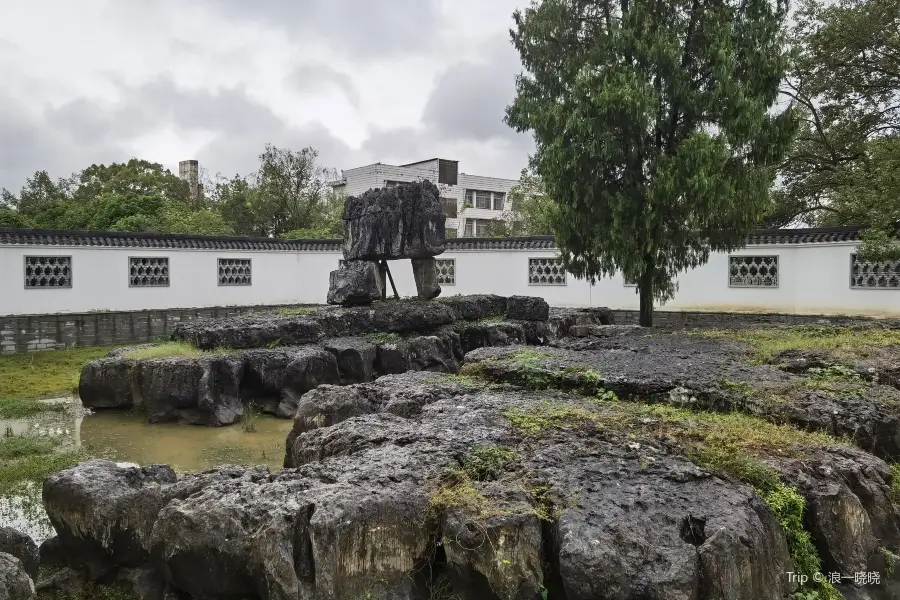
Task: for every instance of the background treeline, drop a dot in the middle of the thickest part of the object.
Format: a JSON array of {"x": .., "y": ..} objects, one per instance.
[{"x": 289, "y": 196}]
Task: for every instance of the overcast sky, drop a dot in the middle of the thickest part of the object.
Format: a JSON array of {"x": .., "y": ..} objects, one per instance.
[{"x": 361, "y": 81}]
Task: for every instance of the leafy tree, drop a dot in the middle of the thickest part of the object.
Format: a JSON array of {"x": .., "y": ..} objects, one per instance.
[
  {"x": 530, "y": 212},
  {"x": 654, "y": 126},
  {"x": 845, "y": 78}
]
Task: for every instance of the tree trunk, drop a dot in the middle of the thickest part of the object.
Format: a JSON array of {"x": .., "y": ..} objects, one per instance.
[{"x": 645, "y": 291}]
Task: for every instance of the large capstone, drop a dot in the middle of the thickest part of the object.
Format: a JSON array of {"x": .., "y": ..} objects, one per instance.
[
  {"x": 356, "y": 282},
  {"x": 406, "y": 221}
]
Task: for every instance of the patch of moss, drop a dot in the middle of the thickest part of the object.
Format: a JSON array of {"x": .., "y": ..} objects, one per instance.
[
  {"x": 840, "y": 342},
  {"x": 455, "y": 489},
  {"x": 383, "y": 338},
  {"x": 549, "y": 415},
  {"x": 296, "y": 311}
]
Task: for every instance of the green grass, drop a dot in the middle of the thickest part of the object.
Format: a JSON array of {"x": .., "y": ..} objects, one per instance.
[
  {"x": 22, "y": 408},
  {"x": 487, "y": 462},
  {"x": 39, "y": 374},
  {"x": 33, "y": 468},
  {"x": 16, "y": 447},
  {"x": 249, "y": 417},
  {"x": 895, "y": 483},
  {"x": 166, "y": 350},
  {"x": 840, "y": 342}
]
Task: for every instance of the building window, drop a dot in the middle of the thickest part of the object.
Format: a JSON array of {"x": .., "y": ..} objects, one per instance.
[
  {"x": 148, "y": 271},
  {"x": 48, "y": 271},
  {"x": 498, "y": 200},
  {"x": 546, "y": 271},
  {"x": 477, "y": 227},
  {"x": 234, "y": 271},
  {"x": 392, "y": 184},
  {"x": 446, "y": 271},
  {"x": 753, "y": 271},
  {"x": 450, "y": 232},
  {"x": 449, "y": 206},
  {"x": 483, "y": 200},
  {"x": 883, "y": 275}
]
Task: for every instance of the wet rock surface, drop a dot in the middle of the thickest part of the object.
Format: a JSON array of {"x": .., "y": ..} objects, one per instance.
[
  {"x": 382, "y": 498},
  {"x": 357, "y": 282},
  {"x": 21, "y": 546}
]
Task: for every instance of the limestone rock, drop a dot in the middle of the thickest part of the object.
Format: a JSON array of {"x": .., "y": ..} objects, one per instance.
[
  {"x": 107, "y": 383},
  {"x": 406, "y": 221},
  {"x": 15, "y": 584},
  {"x": 20, "y": 545},
  {"x": 425, "y": 274},
  {"x": 357, "y": 282},
  {"x": 309, "y": 368},
  {"x": 201, "y": 390},
  {"x": 527, "y": 308},
  {"x": 355, "y": 359}
]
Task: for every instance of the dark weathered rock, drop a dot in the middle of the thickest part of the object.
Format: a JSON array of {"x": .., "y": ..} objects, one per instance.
[
  {"x": 52, "y": 553},
  {"x": 481, "y": 335},
  {"x": 249, "y": 331},
  {"x": 21, "y": 546},
  {"x": 561, "y": 320},
  {"x": 425, "y": 275},
  {"x": 355, "y": 359},
  {"x": 201, "y": 390},
  {"x": 309, "y": 368},
  {"x": 476, "y": 307},
  {"x": 107, "y": 383},
  {"x": 103, "y": 514},
  {"x": 527, "y": 308},
  {"x": 406, "y": 221},
  {"x": 262, "y": 378},
  {"x": 15, "y": 584},
  {"x": 356, "y": 282}
]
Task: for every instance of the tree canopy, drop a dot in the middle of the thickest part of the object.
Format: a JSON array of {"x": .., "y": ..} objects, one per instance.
[
  {"x": 288, "y": 196},
  {"x": 845, "y": 80},
  {"x": 655, "y": 127},
  {"x": 531, "y": 210}
]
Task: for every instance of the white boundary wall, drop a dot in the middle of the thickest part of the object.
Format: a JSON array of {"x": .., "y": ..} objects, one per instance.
[{"x": 813, "y": 279}]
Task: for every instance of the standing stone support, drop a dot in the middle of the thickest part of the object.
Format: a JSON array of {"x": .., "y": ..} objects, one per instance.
[
  {"x": 425, "y": 272},
  {"x": 357, "y": 282}
]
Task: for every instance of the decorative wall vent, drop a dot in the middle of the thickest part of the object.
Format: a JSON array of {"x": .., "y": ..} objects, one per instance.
[
  {"x": 546, "y": 271},
  {"x": 148, "y": 271},
  {"x": 883, "y": 275},
  {"x": 234, "y": 271},
  {"x": 753, "y": 271},
  {"x": 446, "y": 271},
  {"x": 48, "y": 271}
]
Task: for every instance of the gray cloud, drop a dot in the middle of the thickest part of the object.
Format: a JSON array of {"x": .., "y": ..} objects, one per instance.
[
  {"x": 364, "y": 30},
  {"x": 470, "y": 99},
  {"x": 309, "y": 77},
  {"x": 30, "y": 144}
]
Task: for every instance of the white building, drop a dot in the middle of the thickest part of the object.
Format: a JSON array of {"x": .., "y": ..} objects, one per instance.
[{"x": 471, "y": 202}]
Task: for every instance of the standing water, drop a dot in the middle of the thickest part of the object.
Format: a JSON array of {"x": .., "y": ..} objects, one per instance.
[{"x": 126, "y": 437}]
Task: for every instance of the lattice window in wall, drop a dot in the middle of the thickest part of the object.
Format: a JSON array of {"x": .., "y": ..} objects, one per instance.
[
  {"x": 753, "y": 271},
  {"x": 234, "y": 271},
  {"x": 446, "y": 271},
  {"x": 546, "y": 271},
  {"x": 148, "y": 271},
  {"x": 883, "y": 275},
  {"x": 48, "y": 271}
]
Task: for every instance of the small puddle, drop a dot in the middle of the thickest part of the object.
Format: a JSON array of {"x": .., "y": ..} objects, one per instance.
[{"x": 125, "y": 437}]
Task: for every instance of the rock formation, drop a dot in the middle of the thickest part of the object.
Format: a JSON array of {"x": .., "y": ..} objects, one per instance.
[
  {"x": 406, "y": 221},
  {"x": 611, "y": 462}
]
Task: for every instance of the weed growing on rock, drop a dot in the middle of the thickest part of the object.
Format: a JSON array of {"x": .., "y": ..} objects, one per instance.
[
  {"x": 549, "y": 415},
  {"x": 165, "y": 350},
  {"x": 765, "y": 343},
  {"x": 486, "y": 462}
]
